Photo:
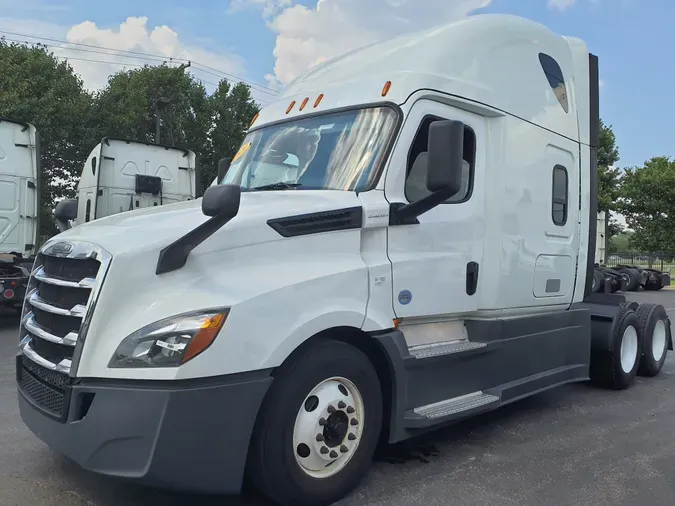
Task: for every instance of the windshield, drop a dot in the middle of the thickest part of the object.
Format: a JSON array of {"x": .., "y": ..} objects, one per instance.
[{"x": 339, "y": 151}]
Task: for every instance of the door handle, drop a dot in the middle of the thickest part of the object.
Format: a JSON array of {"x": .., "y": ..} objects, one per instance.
[{"x": 471, "y": 278}]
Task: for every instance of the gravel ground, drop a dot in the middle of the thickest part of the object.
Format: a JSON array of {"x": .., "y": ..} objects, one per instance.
[{"x": 574, "y": 445}]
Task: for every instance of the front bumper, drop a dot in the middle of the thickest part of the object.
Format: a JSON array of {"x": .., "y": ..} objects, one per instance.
[{"x": 187, "y": 435}]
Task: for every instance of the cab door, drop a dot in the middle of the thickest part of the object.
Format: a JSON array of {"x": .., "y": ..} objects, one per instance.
[{"x": 436, "y": 262}]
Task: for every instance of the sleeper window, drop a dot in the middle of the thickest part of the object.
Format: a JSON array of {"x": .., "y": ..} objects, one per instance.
[
  {"x": 555, "y": 78},
  {"x": 560, "y": 191},
  {"x": 416, "y": 171}
]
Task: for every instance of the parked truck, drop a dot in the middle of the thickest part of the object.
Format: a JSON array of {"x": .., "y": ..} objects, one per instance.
[
  {"x": 19, "y": 208},
  {"x": 123, "y": 175},
  {"x": 406, "y": 238},
  {"x": 622, "y": 277}
]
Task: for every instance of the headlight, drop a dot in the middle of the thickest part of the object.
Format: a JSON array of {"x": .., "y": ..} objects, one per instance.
[{"x": 170, "y": 342}]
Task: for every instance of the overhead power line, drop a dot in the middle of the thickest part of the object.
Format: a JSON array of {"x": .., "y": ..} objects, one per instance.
[{"x": 139, "y": 55}]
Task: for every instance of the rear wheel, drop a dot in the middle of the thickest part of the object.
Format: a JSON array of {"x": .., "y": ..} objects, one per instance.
[
  {"x": 632, "y": 278},
  {"x": 617, "y": 369},
  {"x": 318, "y": 428},
  {"x": 653, "y": 327}
]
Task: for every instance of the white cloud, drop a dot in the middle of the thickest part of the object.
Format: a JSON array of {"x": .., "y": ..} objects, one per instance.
[
  {"x": 134, "y": 35},
  {"x": 561, "y": 5},
  {"x": 269, "y": 7},
  {"x": 309, "y": 35},
  {"x": 601, "y": 83}
]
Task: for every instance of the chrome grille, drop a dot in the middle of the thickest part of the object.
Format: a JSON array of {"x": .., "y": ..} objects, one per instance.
[{"x": 60, "y": 300}]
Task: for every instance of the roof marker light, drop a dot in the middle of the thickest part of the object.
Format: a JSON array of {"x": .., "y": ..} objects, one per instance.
[
  {"x": 385, "y": 88},
  {"x": 290, "y": 106},
  {"x": 304, "y": 103},
  {"x": 318, "y": 100},
  {"x": 254, "y": 119}
]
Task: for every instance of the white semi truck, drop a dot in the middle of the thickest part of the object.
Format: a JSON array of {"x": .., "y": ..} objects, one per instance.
[
  {"x": 123, "y": 175},
  {"x": 19, "y": 208},
  {"x": 405, "y": 238}
]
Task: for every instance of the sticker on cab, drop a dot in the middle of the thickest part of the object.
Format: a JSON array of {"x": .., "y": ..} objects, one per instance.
[
  {"x": 241, "y": 152},
  {"x": 404, "y": 297}
]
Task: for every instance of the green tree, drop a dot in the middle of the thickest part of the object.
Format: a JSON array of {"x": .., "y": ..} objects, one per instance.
[
  {"x": 232, "y": 110},
  {"x": 648, "y": 203},
  {"x": 608, "y": 177},
  {"x": 211, "y": 126},
  {"x": 37, "y": 88},
  {"x": 128, "y": 105}
]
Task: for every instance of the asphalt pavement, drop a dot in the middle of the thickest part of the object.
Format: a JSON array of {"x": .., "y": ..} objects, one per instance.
[{"x": 574, "y": 445}]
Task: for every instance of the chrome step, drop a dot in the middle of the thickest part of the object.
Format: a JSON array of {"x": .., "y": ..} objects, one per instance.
[
  {"x": 455, "y": 405},
  {"x": 34, "y": 299},
  {"x": 32, "y": 326},
  {"x": 63, "y": 366},
  {"x": 445, "y": 348},
  {"x": 42, "y": 276}
]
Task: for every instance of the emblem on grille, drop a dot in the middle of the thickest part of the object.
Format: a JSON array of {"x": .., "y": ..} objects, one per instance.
[{"x": 61, "y": 249}]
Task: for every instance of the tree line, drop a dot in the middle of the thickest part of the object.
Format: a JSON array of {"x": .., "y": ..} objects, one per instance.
[
  {"x": 644, "y": 195},
  {"x": 37, "y": 87}
]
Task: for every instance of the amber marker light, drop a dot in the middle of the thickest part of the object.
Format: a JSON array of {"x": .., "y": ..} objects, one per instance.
[
  {"x": 385, "y": 88},
  {"x": 205, "y": 336}
]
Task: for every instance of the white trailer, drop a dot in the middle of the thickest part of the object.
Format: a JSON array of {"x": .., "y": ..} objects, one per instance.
[
  {"x": 405, "y": 238},
  {"x": 19, "y": 207},
  {"x": 123, "y": 175}
]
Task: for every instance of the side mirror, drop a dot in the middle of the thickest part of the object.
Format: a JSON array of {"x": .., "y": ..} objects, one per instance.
[
  {"x": 443, "y": 168},
  {"x": 65, "y": 212},
  {"x": 221, "y": 203},
  {"x": 222, "y": 200},
  {"x": 223, "y": 166},
  {"x": 444, "y": 157}
]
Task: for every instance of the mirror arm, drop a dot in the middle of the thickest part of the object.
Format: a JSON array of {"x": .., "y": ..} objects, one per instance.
[
  {"x": 406, "y": 214},
  {"x": 175, "y": 255}
]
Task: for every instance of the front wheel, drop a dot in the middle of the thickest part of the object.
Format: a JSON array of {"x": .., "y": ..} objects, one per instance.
[{"x": 318, "y": 428}]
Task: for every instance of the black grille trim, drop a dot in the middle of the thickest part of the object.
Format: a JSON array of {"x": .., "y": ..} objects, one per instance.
[
  {"x": 315, "y": 223},
  {"x": 70, "y": 269},
  {"x": 47, "y": 390}
]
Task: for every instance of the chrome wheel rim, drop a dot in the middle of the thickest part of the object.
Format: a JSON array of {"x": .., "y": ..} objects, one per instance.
[
  {"x": 328, "y": 427},
  {"x": 629, "y": 347},
  {"x": 659, "y": 340}
]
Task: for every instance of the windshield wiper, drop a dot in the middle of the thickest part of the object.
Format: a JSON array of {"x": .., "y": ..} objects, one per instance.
[{"x": 277, "y": 186}]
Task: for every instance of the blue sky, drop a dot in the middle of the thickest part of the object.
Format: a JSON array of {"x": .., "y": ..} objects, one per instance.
[{"x": 270, "y": 41}]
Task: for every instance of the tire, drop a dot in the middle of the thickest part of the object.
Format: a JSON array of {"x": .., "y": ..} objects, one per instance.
[
  {"x": 608, "y": 369},
  {"x": 294, "y": 475},
  {"x": 653, "y": 329},
  {"x": 653, "y": 287},
  {"x": 598, "y": 281},
  {"x": 633, "y": 278}
]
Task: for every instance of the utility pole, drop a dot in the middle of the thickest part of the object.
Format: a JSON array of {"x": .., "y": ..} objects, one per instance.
[{"x": 161, "y": 104}]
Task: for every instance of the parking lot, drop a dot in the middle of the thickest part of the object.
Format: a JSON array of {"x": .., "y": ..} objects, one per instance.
[{"x": 574, "y": 445}]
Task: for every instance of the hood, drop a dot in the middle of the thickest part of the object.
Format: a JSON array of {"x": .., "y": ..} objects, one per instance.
[{"x": 156, "y": 227}]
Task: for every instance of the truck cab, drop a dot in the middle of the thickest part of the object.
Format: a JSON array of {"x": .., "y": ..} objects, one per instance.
[
  {"x": 404, "y": 239},
  {"x": 123, "y": 175},
  {"x": 19, "y": 199}
]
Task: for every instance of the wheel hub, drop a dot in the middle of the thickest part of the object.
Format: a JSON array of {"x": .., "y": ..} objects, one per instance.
[
  {"x": 335, "y": 430},
  {"x": 659, "y": 339},
  {"x": 328, "y": 427},
  {"x": 629, "y": 349}
]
